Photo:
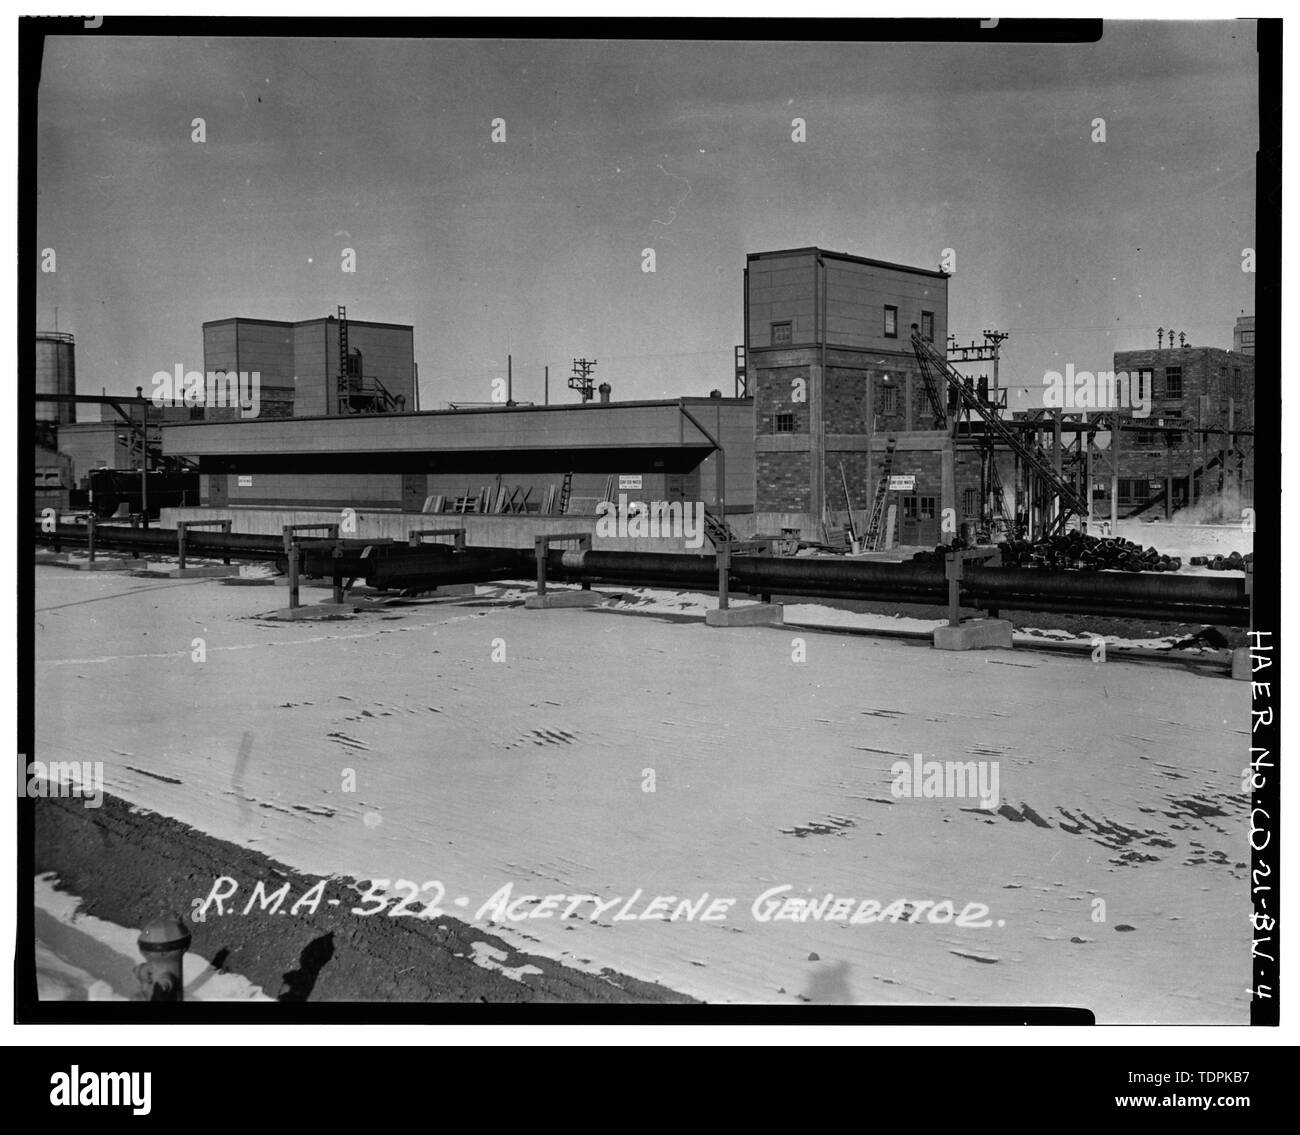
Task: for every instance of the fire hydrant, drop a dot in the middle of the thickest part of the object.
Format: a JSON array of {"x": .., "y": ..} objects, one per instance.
[{"x": 163, "y": 944}]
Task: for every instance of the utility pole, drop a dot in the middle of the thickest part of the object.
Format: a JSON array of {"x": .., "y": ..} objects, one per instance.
[
  {"x": 988, "y": 351},
  {"x": 996, "y": 338},
  {"x": 581, "y": 380},
  {"x": 144, "y": 457}
]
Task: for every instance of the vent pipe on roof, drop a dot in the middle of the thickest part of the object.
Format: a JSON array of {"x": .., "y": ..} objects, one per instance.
[{"x": 604, "y": 389}]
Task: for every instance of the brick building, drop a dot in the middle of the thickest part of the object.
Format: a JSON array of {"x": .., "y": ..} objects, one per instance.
[
  {"x": 831, "y": 369},
  {"x": 1192, "y": 444}
]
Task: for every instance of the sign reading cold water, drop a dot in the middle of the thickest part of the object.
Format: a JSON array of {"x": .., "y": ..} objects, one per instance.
[
  {"x": 629, "y": 480},
  {"x": 902, "y": 482}
]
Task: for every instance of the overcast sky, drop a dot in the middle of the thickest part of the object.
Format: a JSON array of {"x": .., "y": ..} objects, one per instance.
[{"x": 534, "y": 246}]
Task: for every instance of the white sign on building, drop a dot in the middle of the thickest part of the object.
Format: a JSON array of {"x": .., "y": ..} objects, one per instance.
[
  {"x": 629, "y": 480},
  {"x": 902, "y": 482}
]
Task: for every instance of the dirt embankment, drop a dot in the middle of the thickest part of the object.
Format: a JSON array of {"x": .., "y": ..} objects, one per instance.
[{"x": 131, "y": 867}]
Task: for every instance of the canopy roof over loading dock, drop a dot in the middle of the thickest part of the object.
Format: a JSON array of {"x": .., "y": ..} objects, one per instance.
[{"x": 499, "y": 439}]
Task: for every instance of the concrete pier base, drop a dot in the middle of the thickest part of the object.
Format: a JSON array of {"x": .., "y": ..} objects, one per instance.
[
  {"x": 455, "y": 590},
  {"x": 974, "y": 634},
  {"x": 52, "y": 557},
  {"x": 446, "y": 591},
  {"x": 754, "y": 615},
  {"x": 563, "y": 599},
  {"x": 1241, "y": 669}
]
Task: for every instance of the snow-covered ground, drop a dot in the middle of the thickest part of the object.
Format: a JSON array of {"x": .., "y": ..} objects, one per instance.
[{"x": 577, "y": 752}]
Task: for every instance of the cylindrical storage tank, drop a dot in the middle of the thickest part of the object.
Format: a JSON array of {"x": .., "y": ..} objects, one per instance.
[{"x": 56, "y": 373}]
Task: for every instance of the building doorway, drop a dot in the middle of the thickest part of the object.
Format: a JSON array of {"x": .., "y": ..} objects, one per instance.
[{"x": 919, "y": 522}]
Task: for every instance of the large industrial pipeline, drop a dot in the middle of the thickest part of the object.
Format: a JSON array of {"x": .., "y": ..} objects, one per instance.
[
  {"x": 1133, "y": 595},
  {"x": 399, "y": 566}
]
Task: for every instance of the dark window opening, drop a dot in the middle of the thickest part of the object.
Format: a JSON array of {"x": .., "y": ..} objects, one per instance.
[
  {"x": 782, "y": 334},
  {"x": 1173, "y": 382},
  {"x": 784, "y": 424},
  {"x": 927, "y": 326},
  {"x": 891, "y": 322}
]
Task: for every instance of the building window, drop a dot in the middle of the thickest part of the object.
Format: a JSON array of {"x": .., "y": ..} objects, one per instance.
[
  {"x": 784, "y": 424},
  {"x": 889, "y": 399},
  {"x": 1143, "y": 385},
  {"x": 927, "y": 509},
  {"x": 1236, "y": 382},
  {"x": 891, "y": 322},
  {"x": 909, "y": 508},
  {"x": 196, "y": 413},
  {"x": 1146, "y": 437},
  {"x": 927, "y": 326},
  {"x": 1173, "y": 439},
  {"x": 781, "y": 334},
  {"x": 1132, "y": 489},
  {"x": 970, "y": 502},
  {"x": 1173, "y": 382},
  {"x": 1248, "y": 342}
]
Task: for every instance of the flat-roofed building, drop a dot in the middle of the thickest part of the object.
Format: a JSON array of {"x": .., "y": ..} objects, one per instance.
[
  {"x": 299, "y": 365},
  {"x": 830, "y": 364}
]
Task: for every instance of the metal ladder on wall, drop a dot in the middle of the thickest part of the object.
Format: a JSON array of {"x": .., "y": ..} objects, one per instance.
[
  {"x": 344, "y": 389},
  {"x": 872, "y": 538},
  {"x": 566, "y": 489},
  {"x": 1071, "y": 500}
]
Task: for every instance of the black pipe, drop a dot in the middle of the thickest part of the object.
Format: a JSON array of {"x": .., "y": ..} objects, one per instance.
[
  {"x": 1136, "y": 595},
  {"x": 1171, "y": 613},
  {"x": 834, "y": 577},
  {"x": 425, "y": 572}
]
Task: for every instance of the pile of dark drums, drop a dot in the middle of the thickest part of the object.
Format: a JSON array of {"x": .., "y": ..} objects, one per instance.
[
  {"x": 1080, "y": 552},
  {"x": 1075, "y": 551},
  {"x": 1234, "y": 561}
]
